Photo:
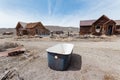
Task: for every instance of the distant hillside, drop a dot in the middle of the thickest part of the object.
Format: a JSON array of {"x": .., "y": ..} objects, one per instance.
[
  {"x": 59, "y": 28},
  {"x": 2, "y": 30},
  {"x": 51, "y": 28}
]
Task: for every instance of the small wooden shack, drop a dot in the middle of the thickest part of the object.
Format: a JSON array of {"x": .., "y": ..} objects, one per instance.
[
  {"x": 102, "y": 25},
  {"x": 35, "y": 28}
]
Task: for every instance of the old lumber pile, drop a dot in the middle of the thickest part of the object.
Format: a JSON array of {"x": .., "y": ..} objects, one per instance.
[
  {"x": 11, "y": 75},
  {"x": 13, "y": 52},
  {"x": 7, "y": 33}
]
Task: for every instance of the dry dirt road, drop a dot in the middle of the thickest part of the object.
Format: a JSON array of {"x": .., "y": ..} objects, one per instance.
[{"x": 90, "y": 61}]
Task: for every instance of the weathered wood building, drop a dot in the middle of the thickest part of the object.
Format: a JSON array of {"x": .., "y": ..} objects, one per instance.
[
  {"x": 35, "y": 28},
  {"x": 102, "y": 25}
]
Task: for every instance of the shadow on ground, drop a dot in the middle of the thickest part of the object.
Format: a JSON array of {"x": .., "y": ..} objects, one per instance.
[{"x": 76, "y": 63}]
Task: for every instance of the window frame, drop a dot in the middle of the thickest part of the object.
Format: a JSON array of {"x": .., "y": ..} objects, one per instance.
[{"x": 98, "y": 29}]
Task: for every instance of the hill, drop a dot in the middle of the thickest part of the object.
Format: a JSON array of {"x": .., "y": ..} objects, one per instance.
[
  {"x": 51, "y": 28},
  {"x": 59, "y": 28}
]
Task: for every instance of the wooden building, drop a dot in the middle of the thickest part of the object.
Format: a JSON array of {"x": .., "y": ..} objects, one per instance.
[
  {"x": 35, "y": 28},
  {"x": 102, "y": 25}
]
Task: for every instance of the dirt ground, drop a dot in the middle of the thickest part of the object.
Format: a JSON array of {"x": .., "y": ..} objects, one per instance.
[{"x": 91, "y": 60}]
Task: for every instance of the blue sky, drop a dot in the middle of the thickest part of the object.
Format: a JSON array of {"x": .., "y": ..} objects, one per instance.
[{"x": 56, "y": 12}]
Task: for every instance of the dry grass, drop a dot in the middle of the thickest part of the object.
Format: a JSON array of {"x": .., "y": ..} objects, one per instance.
[
  {"x": 108, "y": 77},
  {"x": 100, "y": 59},
  {"x": 7, "y": 45}
]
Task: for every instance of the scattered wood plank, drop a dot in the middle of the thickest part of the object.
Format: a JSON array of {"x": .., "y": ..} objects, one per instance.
[
  {"x": 8, "y": 75},
  {"x": 11, "y": 74},
  {"x": 13, "y": 51}
]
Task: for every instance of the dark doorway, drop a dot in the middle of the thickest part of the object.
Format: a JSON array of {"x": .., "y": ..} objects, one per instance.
[
  {"x": 24, "y": 32},
  {"x": 37, "y": 31},
  {"x": 109, "y": 32}
]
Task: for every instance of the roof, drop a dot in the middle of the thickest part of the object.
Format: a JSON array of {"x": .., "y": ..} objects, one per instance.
[
  {"x": 90, "y": 22},
  {"x": 87, "y": 22},
  {"x": 29, "y": 25},
  {"x": 110, "y": 21},
  {"x": 103, "y": 16},
  {"x": 23, "y": 24},
  {"x": 117, "y": 22}
]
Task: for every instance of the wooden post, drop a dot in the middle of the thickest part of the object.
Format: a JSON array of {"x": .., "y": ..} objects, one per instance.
[
  {"x": 92, "y": 29},
  {"x": 103, "y": 29},
  {"x": 68, "y": 33}
]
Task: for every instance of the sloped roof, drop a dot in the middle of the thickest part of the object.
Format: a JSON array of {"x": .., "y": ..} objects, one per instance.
[
  {"x": 32, "y": 25},
  {"x": 23, "y": 24},
  {"x": 29, "y": 25},
  {"x": 90, "y": 22},
  {"x": 117, "y": 22},
  {"x": 110, "y": 21},
  {"x": 103, "y": 16},
  {"x": 87, "y": 22}
]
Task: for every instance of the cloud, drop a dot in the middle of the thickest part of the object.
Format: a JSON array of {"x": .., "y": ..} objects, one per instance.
[
  {"x": 57, "y": 5},
  {"x": 10, "y": 19},
  {"x": 108, "y": 7},
  {"x": 93, "y": 10},
  {"x": 49, "y": 7}
]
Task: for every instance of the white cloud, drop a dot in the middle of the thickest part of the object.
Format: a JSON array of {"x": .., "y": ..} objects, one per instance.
[
  {"x": 10, "y": 19},
  {"x": 94, "y": 11},
  {"x": 57, "y": 5},
  {"x": 49, "y": 7},
  {"x": 108, "y": 7},
  {"x": 97, "y": 8}
]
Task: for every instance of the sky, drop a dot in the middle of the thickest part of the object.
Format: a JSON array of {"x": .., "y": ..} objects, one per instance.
[{"x": 67, "y": 13}]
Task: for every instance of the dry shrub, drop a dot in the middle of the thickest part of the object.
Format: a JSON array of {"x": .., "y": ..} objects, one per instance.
[
  {"x": 10, "y": 45},
  {"x": 108, "y": 77},
  {"x": 7, "y": 45},
  {"x": 1, "y": 48}
]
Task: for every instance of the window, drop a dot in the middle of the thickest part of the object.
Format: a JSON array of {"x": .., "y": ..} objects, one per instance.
[
  {"x": 97, "y": 29},
  {"x": 37, "y": 31}
]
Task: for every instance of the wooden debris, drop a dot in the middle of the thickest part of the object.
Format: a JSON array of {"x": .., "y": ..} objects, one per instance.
[
  {"x": 11, "y": 75},
  {"x": 13, "y": 51},
  {"x": 7, "y": 33}
]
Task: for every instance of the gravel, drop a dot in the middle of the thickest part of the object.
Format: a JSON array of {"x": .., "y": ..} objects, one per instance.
[{"x": 90, "y": 61}]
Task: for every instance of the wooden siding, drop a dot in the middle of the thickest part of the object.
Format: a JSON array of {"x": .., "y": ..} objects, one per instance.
[
  {"x": 107, "y": 27},
  {"x": 85, "y": 30},
  {"x": 32, "y": 29}
]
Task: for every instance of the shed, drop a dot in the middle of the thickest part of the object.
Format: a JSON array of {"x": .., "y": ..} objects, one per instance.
[
  {"x": 35, "y": 28},
  {"x": 102, "y": 25}
]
